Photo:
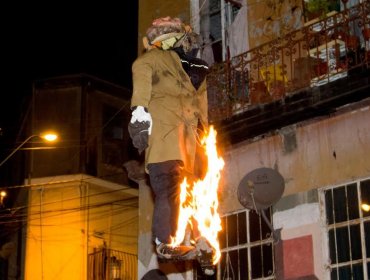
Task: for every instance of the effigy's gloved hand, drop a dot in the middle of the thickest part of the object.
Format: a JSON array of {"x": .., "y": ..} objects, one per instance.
[
  {"x": 139, "y": 134},
  {"x": 140, "y": 127}
]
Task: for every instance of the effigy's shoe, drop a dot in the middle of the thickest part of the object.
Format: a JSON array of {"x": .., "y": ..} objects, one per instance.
[
  {"x": 205, "y": 256},
  {"x": 176, "y": 253}
]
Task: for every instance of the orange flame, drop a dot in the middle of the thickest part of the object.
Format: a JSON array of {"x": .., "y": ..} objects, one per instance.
[{"x": 200, "y": 201}]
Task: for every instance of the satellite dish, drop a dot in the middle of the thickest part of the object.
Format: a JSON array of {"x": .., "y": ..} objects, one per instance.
[{"x": 260, "y": 188}]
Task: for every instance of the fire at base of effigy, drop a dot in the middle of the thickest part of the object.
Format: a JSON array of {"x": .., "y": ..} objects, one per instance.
[{"x": 199, "y": 207}]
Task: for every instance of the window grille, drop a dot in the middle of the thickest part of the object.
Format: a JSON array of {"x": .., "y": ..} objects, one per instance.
[
  {"x": 348, "y": 229},
  {"x": 246, "y": 246}
]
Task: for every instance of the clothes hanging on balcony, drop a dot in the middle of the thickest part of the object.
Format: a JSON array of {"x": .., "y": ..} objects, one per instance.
[
  {"x": 207, "y": 53},
  {"x": 238, "y": 41}
]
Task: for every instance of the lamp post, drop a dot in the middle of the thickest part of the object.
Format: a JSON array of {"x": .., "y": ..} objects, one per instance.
[
  {"x": 21, "y": 232},
  {"x": 50, "y": 137}
]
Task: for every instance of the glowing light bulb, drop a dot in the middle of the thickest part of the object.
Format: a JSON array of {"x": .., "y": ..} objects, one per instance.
[
  {"x": 50, "y": 137},
  {"x": 365, "y": 207}
]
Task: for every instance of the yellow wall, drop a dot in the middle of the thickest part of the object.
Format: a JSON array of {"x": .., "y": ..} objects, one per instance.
[
  {"x": 55, "y": 243},
  {"x": 118, "y": 221},
  {"x": 67, "y": 220}
]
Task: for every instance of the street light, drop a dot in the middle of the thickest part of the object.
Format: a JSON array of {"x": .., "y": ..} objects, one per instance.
[
  {"x": 2, "y": 196},
  {"x": 49, "y": 136}
]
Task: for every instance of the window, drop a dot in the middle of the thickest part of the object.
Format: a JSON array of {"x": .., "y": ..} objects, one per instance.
[
  {"x": 246, "y": 247},
  {"x": 215, "y": 17},
  {"x": 348, "y": 230},
  {"x": 113, "y": 136}
]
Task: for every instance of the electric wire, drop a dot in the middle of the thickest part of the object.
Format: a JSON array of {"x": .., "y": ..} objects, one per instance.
[
  {"x": 15, "y": 209},
  {"x": 102, "y": 215},
  {"x": 64, "y": 211}
]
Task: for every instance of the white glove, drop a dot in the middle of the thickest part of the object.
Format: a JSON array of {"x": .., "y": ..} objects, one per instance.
[{"x": 140, "y": 115}]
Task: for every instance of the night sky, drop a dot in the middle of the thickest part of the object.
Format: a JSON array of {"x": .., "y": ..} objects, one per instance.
[{"x": 60, "y": 38}]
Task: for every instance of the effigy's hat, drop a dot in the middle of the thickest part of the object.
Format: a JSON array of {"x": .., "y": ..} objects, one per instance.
[
  {"x": 167, "y": 33},
  {"x": 164, "y": 28}
]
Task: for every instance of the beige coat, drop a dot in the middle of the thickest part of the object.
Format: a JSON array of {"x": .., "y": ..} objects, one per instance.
[{"x": 161, "y": 85}]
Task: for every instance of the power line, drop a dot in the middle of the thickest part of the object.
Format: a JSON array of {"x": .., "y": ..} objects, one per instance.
[
  {"x": 65, "y": 181},
  {"x": 79, "y": 208},
  {"x": 62, "y": 212}
]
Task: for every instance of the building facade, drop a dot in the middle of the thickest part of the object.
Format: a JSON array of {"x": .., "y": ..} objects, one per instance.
[
  {"x": 288, "y": 91},
  {"x": 78, "y": 210}
]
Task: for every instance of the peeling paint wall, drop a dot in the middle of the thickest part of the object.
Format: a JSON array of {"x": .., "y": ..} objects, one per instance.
[
  {"x": 271, "y": 19},
  {"x": 313, "y": 155},
  {"x": 302, "y": 221}
]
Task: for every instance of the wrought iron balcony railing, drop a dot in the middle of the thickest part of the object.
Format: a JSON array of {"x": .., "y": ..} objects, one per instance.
[
  {"x": 107, "y": 264},
  {"x": 320, "y": 52}
]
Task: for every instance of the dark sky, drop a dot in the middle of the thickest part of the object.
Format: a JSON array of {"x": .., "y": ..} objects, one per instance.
[{"x": 59, "y": 38}]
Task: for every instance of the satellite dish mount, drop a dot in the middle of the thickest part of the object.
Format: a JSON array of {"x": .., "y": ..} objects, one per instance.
[{"x": 260, "y": 189}]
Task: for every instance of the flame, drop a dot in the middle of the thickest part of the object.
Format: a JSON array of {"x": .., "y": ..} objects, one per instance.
[{"x": 199, "y": 201}]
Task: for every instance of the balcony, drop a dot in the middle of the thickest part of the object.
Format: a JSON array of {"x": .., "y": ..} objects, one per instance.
[
  {"x": 307, "y": 73},
  {"x": 112, "y": 265}
]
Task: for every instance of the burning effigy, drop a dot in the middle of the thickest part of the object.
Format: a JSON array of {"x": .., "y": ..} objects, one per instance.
[
  {"x": 169, "y": 110},
  {"x": 199, "y": 201}
]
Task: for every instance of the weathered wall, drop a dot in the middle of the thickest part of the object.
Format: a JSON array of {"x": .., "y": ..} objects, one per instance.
[
  {"x": 268, "y": 20},
  {"x": 319, "y": 153},
  {"x": 303, "y": 246},
  {"x": 309, "y": 156}
]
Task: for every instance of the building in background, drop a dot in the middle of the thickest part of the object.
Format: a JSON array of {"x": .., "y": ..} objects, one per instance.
[{"x": 77, "y": 212}]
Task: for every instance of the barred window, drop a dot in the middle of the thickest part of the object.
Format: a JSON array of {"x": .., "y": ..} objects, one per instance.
[
  {"x": 246, "y": 246},
  {"x": 348, "y": 229}
]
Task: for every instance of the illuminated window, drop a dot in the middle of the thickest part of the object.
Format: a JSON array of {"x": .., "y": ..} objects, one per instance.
[{"x": 348, "y": 230}]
